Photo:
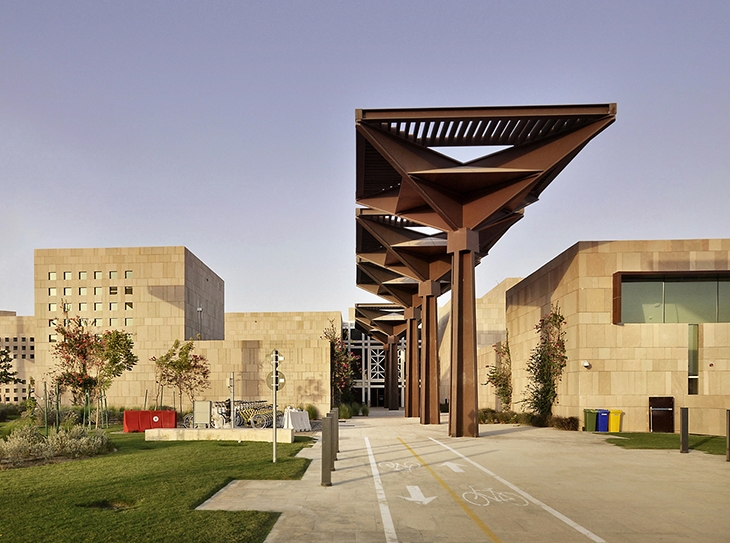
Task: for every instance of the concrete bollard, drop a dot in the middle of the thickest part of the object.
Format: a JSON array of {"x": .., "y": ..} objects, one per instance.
[
  {"x": 684, "y": 429},
  {"x": 327, "y": 450}
]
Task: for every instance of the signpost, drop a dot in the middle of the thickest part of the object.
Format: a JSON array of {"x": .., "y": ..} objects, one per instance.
[{"x": 275, "y": 380}]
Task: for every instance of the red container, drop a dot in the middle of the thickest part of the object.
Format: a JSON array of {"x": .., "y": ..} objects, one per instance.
[{"x": 139, "y": 421}]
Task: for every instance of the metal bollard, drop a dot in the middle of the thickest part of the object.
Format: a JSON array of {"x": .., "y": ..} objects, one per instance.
[
  {"x": 684, "y": 429},
  {"x": 336, "y": 435},
  {"x": 727, "y": 435},
  {"x": 327, "y": 451}
]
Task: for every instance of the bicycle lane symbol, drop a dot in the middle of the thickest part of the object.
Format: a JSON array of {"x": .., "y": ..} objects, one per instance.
[{"x": 483, "y": 498}]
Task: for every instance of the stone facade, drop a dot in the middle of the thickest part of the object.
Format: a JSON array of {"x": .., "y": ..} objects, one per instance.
[
  {"x": 630, "y": 362},
  {"x": 158, "y": 295}
]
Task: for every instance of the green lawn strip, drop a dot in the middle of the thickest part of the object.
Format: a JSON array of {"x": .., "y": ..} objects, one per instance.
[
  {"x": 629, "y": 440},
  {"x": 146, "y": 491}
]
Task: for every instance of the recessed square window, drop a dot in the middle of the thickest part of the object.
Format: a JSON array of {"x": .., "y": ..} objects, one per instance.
[
  {"x": 52, "y": 307},
  {"x": 66, "y": 276},
  {"x": 98, "y": 306},
  {"x": 128, "y": 274},
  {"x": 52, "y": 276},
  {"x": 113, "y": 275},
  {"x": 52, "y": 338},
  {"x": 128, "y": 291},
  {"x": 113, "y": 306},
  {"x": 113, "y": 322},
  {"x": 128, "y": 321},
  {"x": 82, "y": 306},
  {"x": 52, "y": 323},
  {"x": 52, "y": 291},
  {"x": 32, "y": 357},
  {"x": 67, "y": 291},
  {"x": 113, "y": 291},
  {"x": 82, "y": 275},
  {"x": 97, "y": 275},
  {"x": 96, "y": 322},
  {"x": 98, "y": 291},
  {"x": 128, "y": 306},
  {"x": 66, "y": 308},
  {"x": 82, "y": 291}
]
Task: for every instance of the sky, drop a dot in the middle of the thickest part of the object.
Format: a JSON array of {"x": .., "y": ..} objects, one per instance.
[{"x": 229, "y": 127}]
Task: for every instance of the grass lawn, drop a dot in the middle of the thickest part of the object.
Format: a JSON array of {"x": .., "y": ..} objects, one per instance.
[
  {"x": 708, "y": 444},
  {"x": 146, "y": 491}
]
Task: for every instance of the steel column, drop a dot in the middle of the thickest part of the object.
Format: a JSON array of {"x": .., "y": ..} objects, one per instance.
[
  {"x": 463, "y": 409},
  {"x": 412, "y": 315},
  {"x": 392, "y": 386},
  {"x": 429, "y": 354}
]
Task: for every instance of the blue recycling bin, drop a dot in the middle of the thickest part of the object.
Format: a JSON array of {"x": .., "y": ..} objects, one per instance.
[{"x": 602, "y": 420}]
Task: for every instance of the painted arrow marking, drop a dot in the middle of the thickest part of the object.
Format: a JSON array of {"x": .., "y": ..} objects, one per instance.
[
  {"x": 456, "y": 468},
  {"x": 417, "y": 496}
]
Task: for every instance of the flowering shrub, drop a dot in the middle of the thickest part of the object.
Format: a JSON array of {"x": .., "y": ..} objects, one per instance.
[
  {"x": 179, "y": 367},
  {"x": 500, "y": 375},
  {"x": 546, "y": 364},
  {"x": 343, "y": 364}
]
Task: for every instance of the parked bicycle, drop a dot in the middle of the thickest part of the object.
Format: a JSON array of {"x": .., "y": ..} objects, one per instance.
[{"x": 253, "y": 414}]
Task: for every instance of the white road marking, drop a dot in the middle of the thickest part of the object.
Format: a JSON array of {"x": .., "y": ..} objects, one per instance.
[
  {"x": 453, "y": 466},
  {"x": 547, "y": 508},
  {"x": 416, "y": 495},
  {"x": 388, "y": 526}
]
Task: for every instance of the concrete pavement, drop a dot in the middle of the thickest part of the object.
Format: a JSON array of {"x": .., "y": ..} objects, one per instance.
[{"x": 399, "y": 481}]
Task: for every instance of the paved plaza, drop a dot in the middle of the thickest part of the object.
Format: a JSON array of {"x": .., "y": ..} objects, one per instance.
[{"x": 399, "y": 481}]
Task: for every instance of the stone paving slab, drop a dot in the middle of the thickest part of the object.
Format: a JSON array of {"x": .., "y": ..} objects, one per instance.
[{"x": 577, "y": 489}]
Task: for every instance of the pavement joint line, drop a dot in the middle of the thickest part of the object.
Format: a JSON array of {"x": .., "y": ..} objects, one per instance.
[
  {"x": 388, "y": 526},
  {"x": 527, "y": 496},
  {"x": 472, "y": 515}
]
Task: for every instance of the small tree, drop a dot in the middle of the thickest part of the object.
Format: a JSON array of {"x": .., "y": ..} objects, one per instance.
[
  {"x": 88, "y": 362},
  {"x": 546, "y": 364},
  {"x": 179, "y": 367},
  {"x": 7, "y": 375},
  {"x": 343, "y": 364},
  {"x": 500, "y": 374}
]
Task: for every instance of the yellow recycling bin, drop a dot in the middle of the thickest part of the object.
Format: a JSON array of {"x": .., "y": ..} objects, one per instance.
[{"x": 614, "y": 420}]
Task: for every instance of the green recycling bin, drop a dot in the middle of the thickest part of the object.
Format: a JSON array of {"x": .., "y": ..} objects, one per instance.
[
  {"x": 590, "y": 416},
  {"x": 614, "y": 420}
]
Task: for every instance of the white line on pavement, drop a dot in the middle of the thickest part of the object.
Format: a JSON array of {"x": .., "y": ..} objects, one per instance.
[
  {"x": 388, "y": 526},
  {"x": 547, "y": 508}
]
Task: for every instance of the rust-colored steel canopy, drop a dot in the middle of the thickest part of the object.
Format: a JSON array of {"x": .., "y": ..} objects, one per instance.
[
  {"x": 380, "y": 320},
  {"x": 399, "y": 173}
]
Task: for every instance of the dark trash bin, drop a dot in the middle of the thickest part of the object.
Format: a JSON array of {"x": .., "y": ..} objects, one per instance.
[
  {"x": 602, "y": 420},
  {"x": 589, "y": 415}
]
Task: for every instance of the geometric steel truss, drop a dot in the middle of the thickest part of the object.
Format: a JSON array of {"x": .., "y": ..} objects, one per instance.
[{"x": 401, "y": 176}]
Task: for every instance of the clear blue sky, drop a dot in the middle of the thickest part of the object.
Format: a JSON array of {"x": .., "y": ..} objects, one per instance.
[{"x": 228, "y": 127}]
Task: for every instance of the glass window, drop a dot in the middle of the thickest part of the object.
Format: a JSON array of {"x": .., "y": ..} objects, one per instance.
[
  {"x": 693, "y": 359},
  {"x": 82, "y": 291},
  {"x": 112, "y": 290},
  {"x": 128, "y": 274},
  {"x": 66, "y": 308},
  {"x": 97, "y": 306},
  {"x": 52, "y": 323},
  {"x": 113, "y": 306},
  {"x": 52, "y": 291},
  {"x": 98, "y": 291},
  {"x": 128, "y": 290},
  {"x": 67, "y": 276},
  {"x": 82, "y": 275},
  {"x": 51, "y": 307},
  {"x": 52, "y": 338},
  {"x": 723, "y": 301},
  {"x": 113, "y": 275},
  {"x": 690, "y": 301},
  {"x": 52, "y": 276},
  {"x": 97, "y": 275},
  {"x": 82, "y": 306},
  {"x": 641, "y": 301},
  {"x": 113, "y": 322},
  {"x": 128, "y": 306},
  {"x": 128, "y": 321},
  {"x": 96, "y": 322},
  {"x": 67, "y": 291}
]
